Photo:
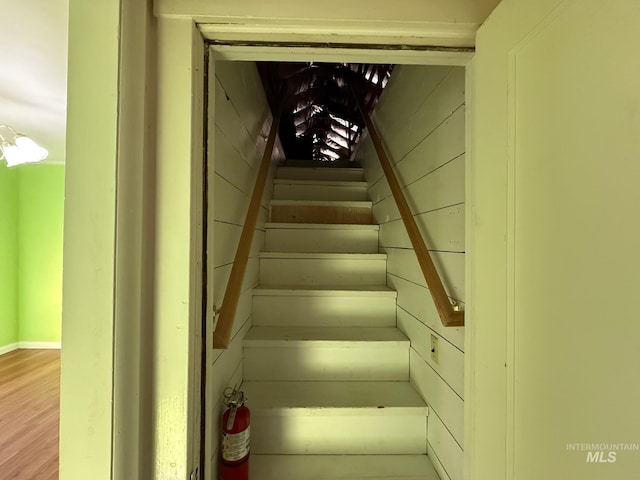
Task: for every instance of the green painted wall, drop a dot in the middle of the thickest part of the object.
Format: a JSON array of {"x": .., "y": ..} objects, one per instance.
[
  {"x": 31, "y": 219},
  {"x": 40, "y": 227},
  {"x": 8, "y": 256}
]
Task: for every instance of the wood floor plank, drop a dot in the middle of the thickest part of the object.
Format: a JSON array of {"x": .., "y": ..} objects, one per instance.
[{"x": 29, "y": 414}]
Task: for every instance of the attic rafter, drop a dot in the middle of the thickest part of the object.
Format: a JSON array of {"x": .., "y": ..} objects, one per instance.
[{"x": 320, "y": 117}]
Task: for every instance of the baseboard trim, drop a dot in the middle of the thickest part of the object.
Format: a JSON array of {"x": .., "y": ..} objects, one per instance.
[
  {"x": 40, "y": 345},
  {"x": 9, "y": 348}
]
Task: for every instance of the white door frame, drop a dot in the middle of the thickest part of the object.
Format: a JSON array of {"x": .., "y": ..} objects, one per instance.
[
  {"x": 178, "y": 248},
  {"x": 262, "y": 41}
]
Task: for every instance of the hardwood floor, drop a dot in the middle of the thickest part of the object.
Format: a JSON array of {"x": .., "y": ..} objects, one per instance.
[{"x": 29, "y": 414}]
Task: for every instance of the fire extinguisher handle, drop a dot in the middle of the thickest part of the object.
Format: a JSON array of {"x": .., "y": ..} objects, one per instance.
[
  {"x": 232, "y": 396},
  {"x": 232, "y": 416}
]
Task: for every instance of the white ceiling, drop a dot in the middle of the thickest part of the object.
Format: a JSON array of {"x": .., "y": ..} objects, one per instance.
[{"x": 33, "y": 71}]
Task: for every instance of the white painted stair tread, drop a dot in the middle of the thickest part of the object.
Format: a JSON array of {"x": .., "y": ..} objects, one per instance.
[
  {"x": 375, "y": 398},
  {"x": 324, "y": 255},
  {"x": 290, "y": 168},
  {"x": 324, "y": 203},
  {"x": 326, "y": 290},
  {"x": 342, "y": 467},
  {"x": 324, "y": 336},
  {"x": 300, "y": 163},
  {"x": 323, "y": 226},
  {"x": 326, "y": 183},
  {"x": 322, "y": 173}
]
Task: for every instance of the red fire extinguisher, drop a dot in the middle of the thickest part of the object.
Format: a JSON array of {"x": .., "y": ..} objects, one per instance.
[{"x": 235, "y": 437}]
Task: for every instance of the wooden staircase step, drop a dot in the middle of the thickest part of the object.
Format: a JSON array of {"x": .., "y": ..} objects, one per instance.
[
  {"x": 313, "y": 237},
  {"x": 321, "y": 211},
  {"x": 325, "y": 370},
  {"x": 334, "y": 398},
  {"x": 336, "y": 417},
  {"x": 330, "y": 306},
  {"x": 323, "y": 226},
  {"x": 321, "y": 183},
  {"x": 319, "y": 190},
  {"x": 303, "y": 268},
  {"x": 326, "y": 354},
  {"x": 327, "y": 290},
  {"x": 296, "y": 163},
  {"x": 346, "y": 337},
  {"x": 321, "y": 173}
]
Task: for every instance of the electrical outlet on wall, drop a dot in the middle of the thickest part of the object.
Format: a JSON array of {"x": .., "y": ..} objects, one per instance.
[{"x": 434, "y": 348}]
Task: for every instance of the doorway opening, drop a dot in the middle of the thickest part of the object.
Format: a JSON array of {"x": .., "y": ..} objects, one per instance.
[{"x": 421, "y": 115}]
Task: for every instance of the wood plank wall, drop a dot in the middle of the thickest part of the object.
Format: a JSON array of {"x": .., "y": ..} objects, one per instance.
[
  {"x": 421, "y": 119},
  {"x": 236, "y": 142}
]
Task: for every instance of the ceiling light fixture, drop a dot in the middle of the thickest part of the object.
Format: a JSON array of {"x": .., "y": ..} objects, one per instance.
[{"x": 17, "y": 148}]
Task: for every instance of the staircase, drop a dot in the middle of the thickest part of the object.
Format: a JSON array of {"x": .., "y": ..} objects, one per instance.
[{"x": 326, "y": 371}]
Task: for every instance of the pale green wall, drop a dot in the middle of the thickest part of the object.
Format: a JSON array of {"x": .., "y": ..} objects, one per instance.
[
  {"x": 421, "y": 119},
  {"x": 40, "y": 219},
  {"x": 8, "y": 256},
  {"x": 237, "y": 98},
  {"x": 554, "y": 271},
  {"x": 31, "y": 214}
]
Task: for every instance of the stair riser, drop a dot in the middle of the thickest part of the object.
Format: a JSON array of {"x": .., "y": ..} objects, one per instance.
[
  {"x": 327, "y": 418},
  {"x": 321, "y": 214},
  {"x": 319, "y": 192},
  {"x": 295, "y": 271},
  {"x": 330, "y": 174},
  {"x": 364, "y": 363},
  {"x": 319, "y": 164},
  {"x": 324, "y": 311},
  {"x": 318, "y": 434},
  {"x": 318, "y": 240}
]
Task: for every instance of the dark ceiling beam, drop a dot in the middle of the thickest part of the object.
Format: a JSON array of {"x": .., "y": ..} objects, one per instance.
[{"x": 326, "y": 86}]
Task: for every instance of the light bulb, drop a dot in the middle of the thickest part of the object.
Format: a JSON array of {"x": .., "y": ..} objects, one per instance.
[
  {"x": 17, "y": 148},
  {"x": 12, "y": 155},
  {"x": 32, "y": 152}
]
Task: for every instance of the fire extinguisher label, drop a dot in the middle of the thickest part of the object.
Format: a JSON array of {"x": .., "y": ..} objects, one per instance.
[{"x": 235, "y": 446}]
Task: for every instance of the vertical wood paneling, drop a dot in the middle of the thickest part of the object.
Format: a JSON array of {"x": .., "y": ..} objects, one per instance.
[
  {"x": 229, "y": 162},
  {"x": 450, "y": 265},
  {"x": 402, "y": 129},
  {"x": 444, "y": 449},
  {"x": 226, "y": 237},
  {"x": 236, "y": 143},
  {"x": 242, "y": 84},
  {"x": 441, "y": 188},
  {"x": 415, "y": 299},
  {"x": 442, "y": 229},
  {"x": 230, "y": 201},
  {"x": 226, "y": 364},
  {"x": 388, "y": 117},
  {"x": 437, "y": 465},
  {"x": 444, "y": 401},
  {"x": 436, "y": 149},
  {"x": 232, "y": 126},
  {"x": 450, "y": 365},
  {"x": 421, "y": 118}
]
